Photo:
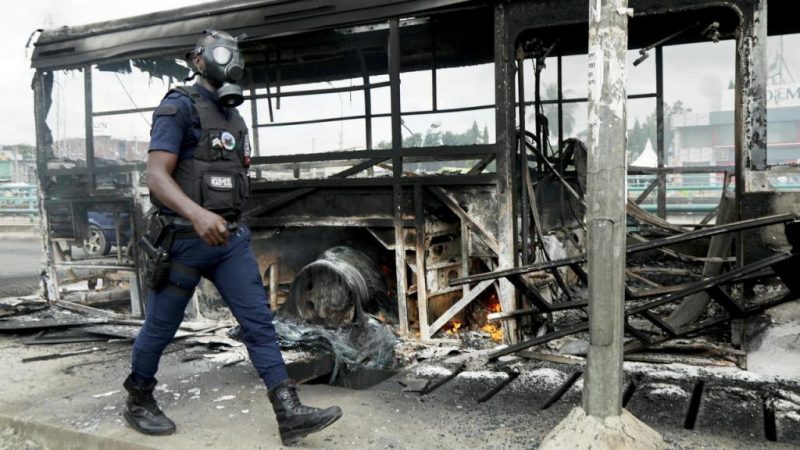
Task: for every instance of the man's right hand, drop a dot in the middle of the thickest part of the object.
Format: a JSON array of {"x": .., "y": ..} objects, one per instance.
[{"x": 211, "y": 228}]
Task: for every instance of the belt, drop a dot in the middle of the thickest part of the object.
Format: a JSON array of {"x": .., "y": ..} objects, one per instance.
[
  {"x": 185, "y": 233},
  {"x": 177, "y": 220},
  {"x": 183, "y": 228}
]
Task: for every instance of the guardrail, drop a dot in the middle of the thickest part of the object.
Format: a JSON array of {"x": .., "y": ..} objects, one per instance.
[
  {"x": 22, "y": 200},
  {"x": 682, "y": 208},
  {"x": 712, "y": 187},
  {"x": 18, "y": 201}
]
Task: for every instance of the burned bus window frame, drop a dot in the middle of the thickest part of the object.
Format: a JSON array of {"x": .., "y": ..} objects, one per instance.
[{"x": 370, "y": 188}]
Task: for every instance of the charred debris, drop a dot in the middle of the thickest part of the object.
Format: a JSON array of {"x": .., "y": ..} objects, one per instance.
[
  {"x": 339, "y": 311},
  {"x": 400, "y": 250}
]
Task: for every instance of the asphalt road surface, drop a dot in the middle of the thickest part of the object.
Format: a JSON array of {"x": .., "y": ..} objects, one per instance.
[{"x": 20, "y": 265}]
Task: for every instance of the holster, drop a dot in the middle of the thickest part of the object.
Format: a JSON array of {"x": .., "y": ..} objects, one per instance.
[{"x": 156, "y": 244}]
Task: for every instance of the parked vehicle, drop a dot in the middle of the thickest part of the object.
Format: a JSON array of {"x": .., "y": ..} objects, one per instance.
[{"x": 102, "y": 232}]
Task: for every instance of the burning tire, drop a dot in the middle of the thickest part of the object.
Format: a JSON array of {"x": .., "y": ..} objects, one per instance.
[{"x": 336, "y": 288}]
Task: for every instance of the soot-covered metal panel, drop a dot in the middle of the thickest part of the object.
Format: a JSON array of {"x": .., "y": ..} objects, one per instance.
[{"x": 174, "y": 31}]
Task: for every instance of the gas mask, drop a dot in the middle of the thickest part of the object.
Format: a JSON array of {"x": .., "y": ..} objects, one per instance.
[{"x": 224, "y": 65}]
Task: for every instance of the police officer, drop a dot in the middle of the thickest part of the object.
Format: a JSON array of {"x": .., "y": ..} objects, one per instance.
[{"x": 197, "y": 176}]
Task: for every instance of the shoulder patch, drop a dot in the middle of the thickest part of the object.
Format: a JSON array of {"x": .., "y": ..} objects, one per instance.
[{"x": 167, "y": 110}]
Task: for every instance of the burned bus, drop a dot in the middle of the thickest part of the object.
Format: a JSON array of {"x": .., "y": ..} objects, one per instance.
[{"x": 439, "y": 141}]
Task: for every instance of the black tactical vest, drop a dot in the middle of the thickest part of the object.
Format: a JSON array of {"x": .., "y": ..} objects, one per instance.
[{"x": 216, "y": 176}]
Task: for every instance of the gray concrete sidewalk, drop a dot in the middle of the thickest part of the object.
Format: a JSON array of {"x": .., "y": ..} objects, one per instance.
[
  {"x": 226, "y": 407},
  {"x": 19, "y": 228}
]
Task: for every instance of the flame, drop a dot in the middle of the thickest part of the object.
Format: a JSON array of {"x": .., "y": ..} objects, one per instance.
[
  {"x": 495, "y": 332},
  {"x": 493, "y": 304},
  {"x": 454, "y": 326}
]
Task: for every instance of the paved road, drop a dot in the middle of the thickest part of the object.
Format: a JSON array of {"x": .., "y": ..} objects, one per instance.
[{"x": 20, "y": 265}]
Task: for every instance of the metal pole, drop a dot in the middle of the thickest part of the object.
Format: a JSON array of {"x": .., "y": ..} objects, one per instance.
[
  {"x": 42, "y": 98},
  {"x": 750, "y": 110},
  {"x": 266, "y": 84},
  {"x": 273, "y": 285},
  {"x": 608, "y": 43},
  {"x": 138, "y": 301},
  {"x": 435, "y": 95},
  {"x": 367, "y": 98},
  {"x": 254, "y": 115},
  {"x": 422, "y": 287},
  {"x": 750, "y": 127},
  {"x": 89, "y": 125},
  {"x": 278, "y": 77},
  {"x": 560, "y": 100},
  {"x": 397, "y": 172},
  {"x": 506, "y": 163},
  {"x": 661, "y": 201},
  {"x": 523, "y": 157}
]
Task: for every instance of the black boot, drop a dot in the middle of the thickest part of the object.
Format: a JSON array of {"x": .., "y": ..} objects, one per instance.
[
  {"x": 296, "y": 420},
  {"x": 142, "y": 412}
]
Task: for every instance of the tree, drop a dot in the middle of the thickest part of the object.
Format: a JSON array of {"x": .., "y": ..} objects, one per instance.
[
  {"x": 473, "y": 135},
  {"x": 415, "y": 140},
  {"x": 434, "y": 137},
  {"x": 641, "y": 132}
]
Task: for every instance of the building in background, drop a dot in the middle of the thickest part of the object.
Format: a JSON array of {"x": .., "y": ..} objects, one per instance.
[
  {"x": 105, "y": 148},
  {"x": 707, "y": 138},
  {"x": 17, "y": 164}
]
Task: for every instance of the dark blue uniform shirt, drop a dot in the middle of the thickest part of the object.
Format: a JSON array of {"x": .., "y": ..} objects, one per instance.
[{"x": 176, "y": 129}]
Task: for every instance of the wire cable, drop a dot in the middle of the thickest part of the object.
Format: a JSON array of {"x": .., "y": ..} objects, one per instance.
[{"x": 131, "y": 99}]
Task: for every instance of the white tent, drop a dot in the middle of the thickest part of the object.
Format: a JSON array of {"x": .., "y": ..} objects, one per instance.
[{"x": 648, "y": 157}]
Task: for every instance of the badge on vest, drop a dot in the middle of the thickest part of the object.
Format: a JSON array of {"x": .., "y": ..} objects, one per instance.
[
  {"x": 228, "y": 141},
  {"x": 220, "y": 182},
  {"x": 225, "y": 141}
]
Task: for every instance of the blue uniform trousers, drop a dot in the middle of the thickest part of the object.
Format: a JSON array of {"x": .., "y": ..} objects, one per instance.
[{"x": 234, "y": 271}]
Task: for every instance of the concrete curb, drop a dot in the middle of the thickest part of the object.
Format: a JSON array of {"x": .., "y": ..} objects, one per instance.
[
  {"x": 64, "y": 439},
  {"x": 19, "y": 237},
  {"x": 19, "y": 228},
  {"x": 20, "y": 232}
]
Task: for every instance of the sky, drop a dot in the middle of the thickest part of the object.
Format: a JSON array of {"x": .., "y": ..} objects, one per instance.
[
  {"x": 16, "y": 107},
  {"x": 697, "y": 75}
]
